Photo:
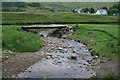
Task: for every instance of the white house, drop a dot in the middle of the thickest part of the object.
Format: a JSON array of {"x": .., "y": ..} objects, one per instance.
[{"x": 101, "y": 12}]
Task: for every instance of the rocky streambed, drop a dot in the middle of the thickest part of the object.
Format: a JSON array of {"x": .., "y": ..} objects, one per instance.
[
  {"x": 65, "y": 59},
  {"x": 58, "y": 58}
]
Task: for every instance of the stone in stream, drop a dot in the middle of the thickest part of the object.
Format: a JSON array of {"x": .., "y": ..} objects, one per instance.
[
  {"x": 65, "y": 73},
  {"x": 69, "y": 67},
  {"x": 29, "y": 71},
  {"x": 58, "y": 61},
  {"x": 13, "y": 76},
  {"x": 70, "y": 46},
  {"x": 48, "y": 57},
  {"x": 102, "y": 61},
  {"x": 73, "y": 51},
  {"x": 48, "y": 54},
  {"x": 68, "y": 57},
  {"x": 26, "y": 77},
  {"x": 65, "y": 50},
  {"x": 59, "y": 48},
  {"x": 73, "y": 56}
]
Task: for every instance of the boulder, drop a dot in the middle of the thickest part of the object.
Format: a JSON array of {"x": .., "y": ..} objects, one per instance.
[{"x": 73, "y": 56}]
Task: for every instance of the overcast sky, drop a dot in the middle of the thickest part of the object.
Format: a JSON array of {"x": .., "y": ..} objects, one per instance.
[{"x": 60, "y": 0}]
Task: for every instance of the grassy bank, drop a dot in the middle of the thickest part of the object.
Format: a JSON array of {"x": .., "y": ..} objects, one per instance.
[
  {"x": 20, "y": 41},
  {"x": 0, "y": 36},
  {"x": 25, "y": 18},
  {"x": 103, "y": 39}
]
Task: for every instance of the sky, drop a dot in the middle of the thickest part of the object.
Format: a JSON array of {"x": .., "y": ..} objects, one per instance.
[{"x": 59, "y": 0}]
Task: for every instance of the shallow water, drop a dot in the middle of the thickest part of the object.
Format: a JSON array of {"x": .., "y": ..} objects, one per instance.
[{"x": 61, "y": 65}]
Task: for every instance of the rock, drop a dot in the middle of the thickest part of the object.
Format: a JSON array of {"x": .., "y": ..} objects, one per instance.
[
  {"x": 73, "y": 51},
  {"x": 65, "y": 50},
  {"x": 65, "y": 73},
  {"x": 48, "y": 57},
  {"x": 55, "y": 63},
  {"x": 13, "y": 76},
  {"x": 69, "y": 46},
  {"x": 95, "y": 57},
  {"x": 63, "y": 36},
  {"x": 60, "y": 48},
  {"x": 93, "y": 74},
  {"x": 73, "y": 56},
  {"x": 53, "y": 57},
  {"x": 98, "y": 67},
  {"x": 102, "y": 61},
  {"x": 58, "y": 61},
  {"x": 29, "y": 71},
  {"x": 75, "y": 69},
  {"x": 6, "y": 57},
  {"x": 62, "y": 56},
  {"x": 48, "y": 54},
  {"x": 26, "y": 77},
  {"x": 92, "y": 67},
  {"x": 69, "y": 67},
  {"x": 68, "y": 57},
  {"x": 5, "y": 70}
]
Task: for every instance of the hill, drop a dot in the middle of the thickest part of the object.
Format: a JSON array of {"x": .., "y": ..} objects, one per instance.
[{"x": 53, "y": 6}]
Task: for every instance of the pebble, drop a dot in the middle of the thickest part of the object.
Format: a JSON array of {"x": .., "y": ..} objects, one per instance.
[
  {"x": 69, "y": 46},
  {"x": 26, "y": 77},
  {"x": 69, "y": 67},
  {"x": 65, "y": 73},
  {"x": 29, "y": 71},
  {"x": 48, "y": 57},
  {"x": 13, "y": 76},
  {"x": 6, "y": 57},
  {"x": 60, "y": 48},
  {"x": 59, "y": 61},
  {"x": 5, "y": 69},
  {"x": 102, "y": 61},
  {"x": 65, "y": 50},
  {"x": 73, "y": 56}
]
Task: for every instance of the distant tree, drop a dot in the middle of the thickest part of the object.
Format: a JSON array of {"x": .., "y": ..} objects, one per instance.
[
  {"x": 115, "y": 6},
  {"x": 85, "y": 10},
  {"x": 92, "y": 10},
  {"x": 13, "y": 4},
  {"x": 20, "y": 4},
  {"x": 34, "y": 4},
  {"x": 105, "y": 8},
  {"x": 114, "y": 9},
  {"x": 74, "y": 11}
]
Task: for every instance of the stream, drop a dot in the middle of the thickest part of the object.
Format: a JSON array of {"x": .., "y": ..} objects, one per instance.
[{"x": 65, "y": 59}]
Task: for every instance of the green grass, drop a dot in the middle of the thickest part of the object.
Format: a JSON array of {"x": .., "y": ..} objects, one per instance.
[
  {"x": 103, "y": 39},
  {"x": 0, "y": 37},
  {"x": 44, "y": 17},
  {"x": 20, "y": 41}
]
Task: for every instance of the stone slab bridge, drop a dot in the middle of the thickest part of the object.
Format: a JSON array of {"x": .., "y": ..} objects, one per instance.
[{"x": 44, "y": 26}]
